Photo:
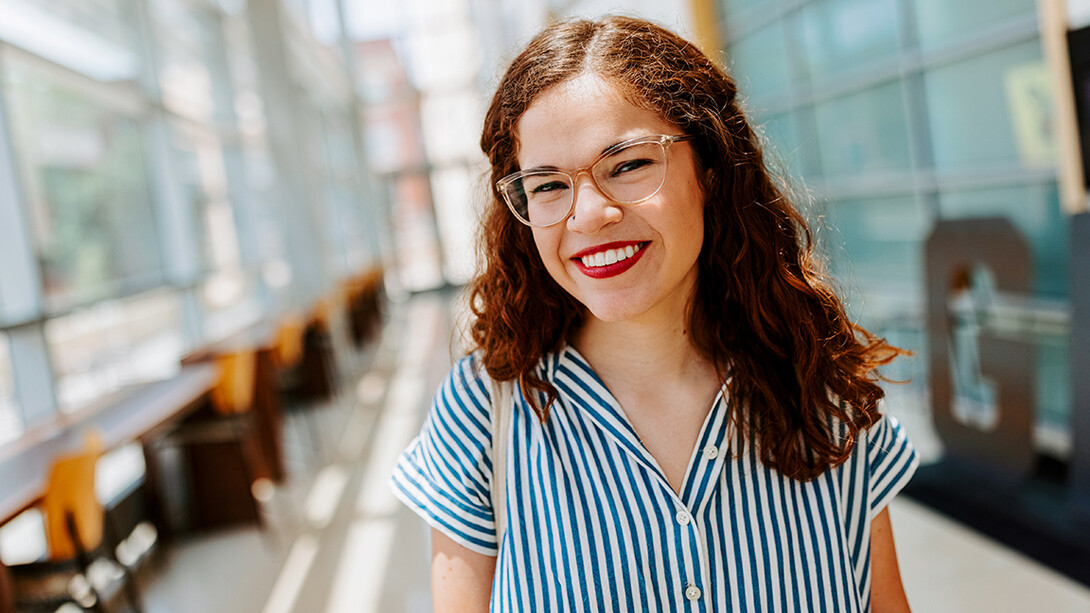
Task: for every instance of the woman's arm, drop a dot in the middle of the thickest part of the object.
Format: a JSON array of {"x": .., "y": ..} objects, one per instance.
[
  {"x": 887, "y": 593},
  {"x": 461, "y": 579}
]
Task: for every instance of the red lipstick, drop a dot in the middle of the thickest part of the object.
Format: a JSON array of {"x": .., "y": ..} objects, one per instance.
[{"x": 609, "y": 270}]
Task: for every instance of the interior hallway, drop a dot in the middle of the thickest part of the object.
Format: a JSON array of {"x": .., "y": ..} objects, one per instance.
[{"x": 338, "y": 541}]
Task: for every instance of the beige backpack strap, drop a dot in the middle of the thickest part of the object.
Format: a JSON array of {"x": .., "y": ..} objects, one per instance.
[{"x": 501, "y": 431}]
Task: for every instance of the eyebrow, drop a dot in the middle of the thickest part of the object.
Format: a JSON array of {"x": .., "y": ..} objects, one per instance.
[{"x": 551, "y": 168}]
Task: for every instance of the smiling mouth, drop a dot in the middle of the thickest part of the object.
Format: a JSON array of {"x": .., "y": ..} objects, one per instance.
[{"x": 609, "y": 257}]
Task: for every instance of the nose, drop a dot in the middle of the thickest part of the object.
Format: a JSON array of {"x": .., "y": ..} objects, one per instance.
[{"x": 592, "y": 210}]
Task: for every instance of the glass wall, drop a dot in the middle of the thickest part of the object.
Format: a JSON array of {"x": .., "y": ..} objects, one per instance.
[
  {"x": 11, "y": 425},
  {"x": 162, "y": 207},
  {"x": 85, "y": 184},
  {"x": 897, "y": 113}
]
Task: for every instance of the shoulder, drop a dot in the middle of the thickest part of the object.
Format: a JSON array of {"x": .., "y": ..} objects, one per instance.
[
  {"x": 464, "y": 396},
  {"x": 888, "y": 460}
]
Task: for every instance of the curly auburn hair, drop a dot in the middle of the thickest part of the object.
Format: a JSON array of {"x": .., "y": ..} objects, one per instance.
[{"x": 762, "y": 312}]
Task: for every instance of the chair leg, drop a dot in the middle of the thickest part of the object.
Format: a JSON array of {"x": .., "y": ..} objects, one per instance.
[
  {"x": 84, "y": 561},
  {"x": 248, "y": 471},
  {"x": 132, "y": 593}
]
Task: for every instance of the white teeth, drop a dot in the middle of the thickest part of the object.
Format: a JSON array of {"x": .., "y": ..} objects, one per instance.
[{"x": 609, "y": 256}]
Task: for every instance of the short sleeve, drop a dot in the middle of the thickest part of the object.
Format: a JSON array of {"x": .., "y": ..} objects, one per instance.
[
  {"x": 445, "y": 473},
  {"x": 891, "y": 461}
]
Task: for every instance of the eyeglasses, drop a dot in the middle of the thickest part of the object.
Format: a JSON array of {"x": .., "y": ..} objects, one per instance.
[{"x": 626, "y": 173}]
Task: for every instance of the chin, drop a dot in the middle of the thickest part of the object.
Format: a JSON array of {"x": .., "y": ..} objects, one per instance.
[{"x": 608, "y": 311}]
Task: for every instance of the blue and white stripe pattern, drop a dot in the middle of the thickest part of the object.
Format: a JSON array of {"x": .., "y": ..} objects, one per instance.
[{"x": 593, "y": 524}]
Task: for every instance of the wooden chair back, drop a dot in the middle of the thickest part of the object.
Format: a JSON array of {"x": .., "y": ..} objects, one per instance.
[
  {"x": 70, "y": 506},
  {"x": 234, "y": 392},
  {"x": 289, "y": 341}
]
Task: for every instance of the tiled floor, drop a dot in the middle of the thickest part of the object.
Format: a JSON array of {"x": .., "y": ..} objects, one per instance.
[{"x": 338, "y": 541}]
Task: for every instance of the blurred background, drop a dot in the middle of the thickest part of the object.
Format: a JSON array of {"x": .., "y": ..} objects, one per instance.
[{"x": 232, "y": 234}]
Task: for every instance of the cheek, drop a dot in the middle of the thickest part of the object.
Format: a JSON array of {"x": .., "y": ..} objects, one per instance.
[{"x": 548, "y": 245}]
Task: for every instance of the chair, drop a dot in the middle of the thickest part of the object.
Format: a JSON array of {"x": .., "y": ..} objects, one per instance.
[
  {"x": 365, "y": 306},
  {"x": 82, "y": 566},
  {"x": 230, "y": 422},
  {"x": 288, "y": 352}
]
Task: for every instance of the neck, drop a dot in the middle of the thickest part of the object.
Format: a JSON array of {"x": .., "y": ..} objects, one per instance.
[{"x": 640, "y": 352}]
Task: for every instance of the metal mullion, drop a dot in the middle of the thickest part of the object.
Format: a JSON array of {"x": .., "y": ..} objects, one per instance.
[
  {"x": 243, "y": 202},
  {"x": 877, "y": 185},
  {"x": 181, "y": 265},
  {"x": 1007, "y": 176},
  {"x": 917, "y": 117},
  {"x": 21, "y": 288},
  {"x": 287, "y": 137}
]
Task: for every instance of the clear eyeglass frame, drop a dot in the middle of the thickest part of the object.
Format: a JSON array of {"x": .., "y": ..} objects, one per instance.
[{"x": 506, "y": 184}]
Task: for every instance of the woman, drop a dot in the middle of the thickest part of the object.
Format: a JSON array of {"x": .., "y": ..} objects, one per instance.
[{"x": 695, "y": 422}]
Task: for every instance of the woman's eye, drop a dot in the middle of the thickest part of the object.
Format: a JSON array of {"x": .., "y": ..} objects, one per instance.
[
  {"x": 629, "y": 166},
  {"x": 548, "y": 187}
]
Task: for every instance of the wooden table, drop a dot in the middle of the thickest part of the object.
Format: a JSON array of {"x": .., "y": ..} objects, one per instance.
[{"x": 139, "y": 415}]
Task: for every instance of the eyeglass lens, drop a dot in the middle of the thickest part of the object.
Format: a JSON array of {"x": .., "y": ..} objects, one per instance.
[{"x": 628, "y": 175}]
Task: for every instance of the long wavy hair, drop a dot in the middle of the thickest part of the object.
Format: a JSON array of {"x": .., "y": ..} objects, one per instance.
[{"x": 802, "y": 377}]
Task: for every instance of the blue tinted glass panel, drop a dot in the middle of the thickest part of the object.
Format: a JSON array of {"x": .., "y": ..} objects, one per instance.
[
  {"x": 1035, "y": 211},
  {"x": 788, "y": 144},
  {"x": 864, "y": 132},
  {"x": 992, "y": 110},
  {"x": 877, "y": 242},
  {"x": 946, "y": 21},
  {"x": 875, "y": 249},
  {"x": 733, "y": 6},
  {"x": 840, "y": 35},
  {"x": 759, "y": 62}
]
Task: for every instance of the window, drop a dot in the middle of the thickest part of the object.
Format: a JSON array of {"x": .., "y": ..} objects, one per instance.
[
  {"x": 230, "y": 302},
  {"x": 877, "y": 242},
  {"x": 941, "y": 21},
  {"x": 992, "y": 110},
  {"x": 864, "y": 132},
  {"x": 788, "y": 145},
  {"x": 82, "y": 159},
  {"x": 760, "y": 63},
  {"x": 840, "y": 35},
  {"x": 733, "y": 6},
  {"x": 11, "y": 424},
  {"x": 91, "y": 37},
  {"x": 198, "y": 159},
  {"x": 113, "y": 344},
  {"x": 183, "y": 43}
]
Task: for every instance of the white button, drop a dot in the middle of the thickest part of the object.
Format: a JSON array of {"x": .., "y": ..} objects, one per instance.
[
  {"x": 692, "y": 592},
  {"x": 711, "y": 452},
  {"x": 683, "y": 518}
]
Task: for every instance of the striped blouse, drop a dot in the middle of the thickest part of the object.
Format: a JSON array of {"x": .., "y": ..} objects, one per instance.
[{"x": 593, "y": 524}]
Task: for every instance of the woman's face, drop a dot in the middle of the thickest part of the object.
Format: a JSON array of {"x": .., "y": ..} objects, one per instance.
[{"x": 568, "y": 127}]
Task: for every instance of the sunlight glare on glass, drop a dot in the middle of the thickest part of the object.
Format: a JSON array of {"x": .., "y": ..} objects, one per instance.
[{"x": 38, "y": 31}]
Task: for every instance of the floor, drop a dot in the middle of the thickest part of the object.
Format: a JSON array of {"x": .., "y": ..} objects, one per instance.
[{"x": 337, "y": 540}]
